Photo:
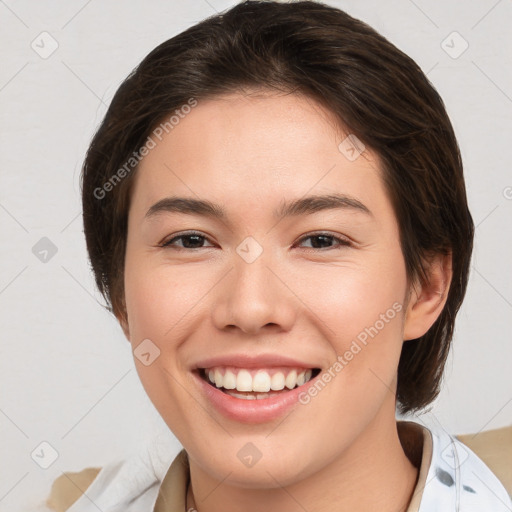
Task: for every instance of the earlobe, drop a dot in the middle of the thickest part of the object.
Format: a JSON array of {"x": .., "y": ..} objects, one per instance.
[{"x": 427, "y": 299}]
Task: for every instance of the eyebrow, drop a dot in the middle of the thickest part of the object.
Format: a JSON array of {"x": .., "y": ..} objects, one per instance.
[{"x": 303, "y": 206}]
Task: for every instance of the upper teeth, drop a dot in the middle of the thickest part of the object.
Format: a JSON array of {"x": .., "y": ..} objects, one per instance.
[{"x": 258, "y": 380}]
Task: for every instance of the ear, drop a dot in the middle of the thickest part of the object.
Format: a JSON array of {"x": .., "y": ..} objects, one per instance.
[{"x": 427, "y": 299}]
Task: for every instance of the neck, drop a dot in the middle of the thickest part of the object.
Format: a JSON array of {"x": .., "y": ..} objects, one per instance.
[{"x": 373, "y": 474}]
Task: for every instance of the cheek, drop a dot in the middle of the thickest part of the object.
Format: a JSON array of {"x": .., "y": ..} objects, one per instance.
[
  {"x": 159, "y": 303},
  {"x": 350, "y": 299},
  {"x": 360, "y": 311},
  {"x": 161, "y": 299}
]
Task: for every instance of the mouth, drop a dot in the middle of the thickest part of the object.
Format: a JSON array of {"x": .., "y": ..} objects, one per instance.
[{"x": 256, "y": 383}]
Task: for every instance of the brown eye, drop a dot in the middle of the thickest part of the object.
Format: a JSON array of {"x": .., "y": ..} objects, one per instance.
[
  {"x": 188, "y": 241},
  {"x": 323, "y": 241}
]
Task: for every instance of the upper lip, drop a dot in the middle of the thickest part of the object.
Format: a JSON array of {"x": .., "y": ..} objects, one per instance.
[{"x": 252, "y": 361}]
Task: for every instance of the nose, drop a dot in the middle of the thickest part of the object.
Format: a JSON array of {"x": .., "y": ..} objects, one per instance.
[{"x": 254, "y": 298}]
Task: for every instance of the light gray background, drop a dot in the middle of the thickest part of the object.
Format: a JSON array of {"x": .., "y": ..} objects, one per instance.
[{"x": 67, "y": 373}]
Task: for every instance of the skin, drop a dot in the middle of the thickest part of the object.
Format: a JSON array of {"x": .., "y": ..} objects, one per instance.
[{"x": 248, "y": 153}]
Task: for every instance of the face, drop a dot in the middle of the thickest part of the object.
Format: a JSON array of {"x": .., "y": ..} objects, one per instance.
[{"x": 265, "y": 295}]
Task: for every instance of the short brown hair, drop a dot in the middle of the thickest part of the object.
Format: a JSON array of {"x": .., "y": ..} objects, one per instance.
[{"x": 375, "y": 90}]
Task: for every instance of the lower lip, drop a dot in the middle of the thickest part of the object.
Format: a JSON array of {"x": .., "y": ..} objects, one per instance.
[{"x": 252, "y": 411}]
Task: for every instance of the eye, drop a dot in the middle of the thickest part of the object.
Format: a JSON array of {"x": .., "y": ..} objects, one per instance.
[
  {"x": 322, "y": 241},
  {"x": 193, "y": 240},
  {"x": 190, "y": 240}
]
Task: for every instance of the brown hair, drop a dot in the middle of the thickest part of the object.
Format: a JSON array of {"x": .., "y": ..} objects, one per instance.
[{"x": 375, "y": 90}]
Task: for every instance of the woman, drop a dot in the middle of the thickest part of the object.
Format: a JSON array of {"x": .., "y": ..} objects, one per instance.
[{"x": 275, "y": 209}]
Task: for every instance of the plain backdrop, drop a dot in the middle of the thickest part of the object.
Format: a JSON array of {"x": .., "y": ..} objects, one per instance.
[{"x": 67, "y": 373}]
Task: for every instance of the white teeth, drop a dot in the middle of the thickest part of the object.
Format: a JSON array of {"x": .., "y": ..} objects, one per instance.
[
  {"x": 244, "y": 381},
  {"x": 261, "y": 383},
  {"x": 218, "y": 378},
  {"x": 255, "y": 396},
  {"x": 243, "y": 397},
  {"x": 291, "y": 379},
  {"x": 277, "y": 381},
  {"x": 229, "y": 380}
]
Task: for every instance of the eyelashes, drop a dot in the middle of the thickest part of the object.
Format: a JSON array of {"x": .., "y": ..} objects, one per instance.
[
  {"x": 342, "y": 242},
  {"x": 184, "y": 236},
  {"x": 193, "y": 239}
]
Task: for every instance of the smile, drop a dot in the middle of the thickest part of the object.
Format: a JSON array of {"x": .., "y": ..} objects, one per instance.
[{"x": 256, "y": 384}]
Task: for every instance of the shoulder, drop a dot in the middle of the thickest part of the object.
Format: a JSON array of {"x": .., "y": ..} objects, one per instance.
[
  {"x": 459, "y": 479},
  {"x": 130, "y": 484},
  {"x": 494, "y": 448},
  {"x": 69, "y": 487}
]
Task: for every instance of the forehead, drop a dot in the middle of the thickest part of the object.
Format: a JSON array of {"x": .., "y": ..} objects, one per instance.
[{"x": 255, "y": 149}]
